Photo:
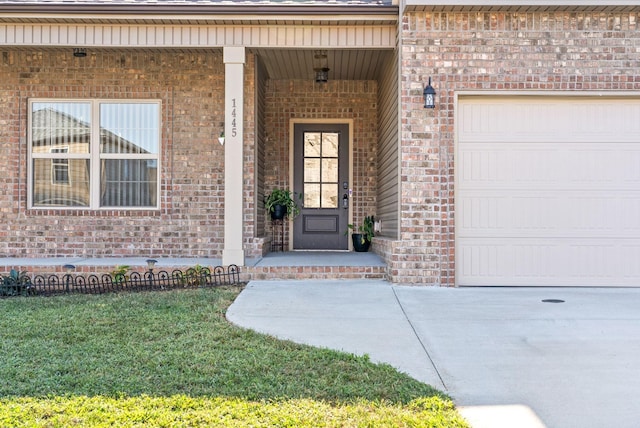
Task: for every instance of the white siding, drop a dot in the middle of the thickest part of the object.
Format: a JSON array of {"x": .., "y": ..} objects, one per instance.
[
  {"x": 388, "y": 177},
  {"x": 193, "y": 36}
]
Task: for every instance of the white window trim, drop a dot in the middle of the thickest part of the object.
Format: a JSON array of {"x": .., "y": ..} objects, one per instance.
[{"x": 94, "y": 155}]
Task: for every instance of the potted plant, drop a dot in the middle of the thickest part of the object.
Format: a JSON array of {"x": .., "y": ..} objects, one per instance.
[
  {"x": 362, "y": 238},
  {"x": 280, "y": 203}
]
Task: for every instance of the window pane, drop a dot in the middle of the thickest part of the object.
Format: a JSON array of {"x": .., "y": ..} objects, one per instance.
[
  {"x": 330, "y": 170},
  {"x": 60, "y": 167},
  {"x": 312, "y": 170},
  {"x": 312, "y": 144},
  {"x": 128, "y": 183},
  {"x": 60, "y": 172},
  {"x": 129, "y": 128},
  {"x": 311, "y": 195},
  {"x": 330, "y": 145},
  {"x": 61, "y": 184},
  {"x": 60, "y": 124},
  {"x": 329, "y": 196}
]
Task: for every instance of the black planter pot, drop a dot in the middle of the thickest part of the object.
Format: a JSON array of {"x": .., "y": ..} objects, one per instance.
[
  {"x": 360, "y": 245},
  {"x": 278, "y": 213}
]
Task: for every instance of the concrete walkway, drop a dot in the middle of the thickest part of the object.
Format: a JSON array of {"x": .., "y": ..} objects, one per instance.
[{"x": 506, "y": 357}]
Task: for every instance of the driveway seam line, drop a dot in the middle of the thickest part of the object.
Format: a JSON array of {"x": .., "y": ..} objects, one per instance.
[{"x": 415, "y": 332}]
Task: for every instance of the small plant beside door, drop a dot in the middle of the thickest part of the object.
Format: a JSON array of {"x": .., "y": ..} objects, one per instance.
[
  {"x": 281, "y": 203},
  {"x": 362, "y": 238}
]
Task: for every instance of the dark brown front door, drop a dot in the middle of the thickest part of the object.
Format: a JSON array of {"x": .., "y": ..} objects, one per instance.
[{"x": 321, "y": 175}]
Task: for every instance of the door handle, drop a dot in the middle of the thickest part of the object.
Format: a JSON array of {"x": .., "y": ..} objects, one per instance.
[{"x": 345, "y": 201}]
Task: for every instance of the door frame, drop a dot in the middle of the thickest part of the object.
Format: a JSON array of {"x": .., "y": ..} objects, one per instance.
[{"x": 349, "y": 123}]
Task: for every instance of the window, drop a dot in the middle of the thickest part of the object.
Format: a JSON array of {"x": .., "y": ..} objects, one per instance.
[{"x": 94, "y": 154}]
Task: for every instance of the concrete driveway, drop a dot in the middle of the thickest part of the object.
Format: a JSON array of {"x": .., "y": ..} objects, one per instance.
[{"x": 506, "y": 357}]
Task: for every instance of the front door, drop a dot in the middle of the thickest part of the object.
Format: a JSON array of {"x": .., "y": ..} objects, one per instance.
[{"x": 321, "y": 175}]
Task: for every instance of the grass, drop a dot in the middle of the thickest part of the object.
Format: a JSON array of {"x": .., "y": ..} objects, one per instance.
[{"x": 171, "y": 359}]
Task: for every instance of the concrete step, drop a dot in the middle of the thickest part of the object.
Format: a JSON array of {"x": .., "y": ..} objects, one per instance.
[
  {"x": 300, "y": 265},
  {"x": 315, "y": 272}
]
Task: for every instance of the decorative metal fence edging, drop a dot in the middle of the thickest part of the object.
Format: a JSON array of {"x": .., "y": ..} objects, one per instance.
[{"x": 48, "y": 285}]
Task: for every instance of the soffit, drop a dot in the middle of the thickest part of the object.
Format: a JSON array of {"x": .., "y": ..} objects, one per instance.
[{"x": 344, "y": 64}]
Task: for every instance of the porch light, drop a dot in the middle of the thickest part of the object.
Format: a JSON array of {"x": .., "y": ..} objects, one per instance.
[
  {"x": 321, "y": 66},
  {"x": 429, "y": 95},
  {"x": 221, "y": 137},
  {"x": 79, "y": 52}
]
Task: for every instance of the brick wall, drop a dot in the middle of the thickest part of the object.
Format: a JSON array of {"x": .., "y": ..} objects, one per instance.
[
  {"x": 497, "y": 51},
  {"x": 305, "y": 99},
  {"x": 191, "y": 88}
]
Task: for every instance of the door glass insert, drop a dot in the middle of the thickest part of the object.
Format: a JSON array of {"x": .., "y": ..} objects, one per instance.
[
  {"x": 312, "y": 170},
  {"x": 320, "y": 169},
  {"x": 330, "y": 170},
  {"x": 330, "y": 144}
]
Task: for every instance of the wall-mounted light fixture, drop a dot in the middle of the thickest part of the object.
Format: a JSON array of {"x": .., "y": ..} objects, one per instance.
[
  {"x": 321, "y": 66},
  {"x": 429, "y": 95},
  {"x": 221, "y": 137},
  {"x": 79, "y": 52}
]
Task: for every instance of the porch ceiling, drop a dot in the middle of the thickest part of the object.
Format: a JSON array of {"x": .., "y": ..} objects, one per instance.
[{"x": 344, "y": 64}]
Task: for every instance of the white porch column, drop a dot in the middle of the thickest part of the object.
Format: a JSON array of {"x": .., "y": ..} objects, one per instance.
[{"x": 234, "y": 59}]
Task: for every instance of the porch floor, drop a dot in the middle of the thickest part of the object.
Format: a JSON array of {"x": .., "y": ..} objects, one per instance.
[
  {"x": 282, "y": 265},
  {"x": 319, "y": 258}
]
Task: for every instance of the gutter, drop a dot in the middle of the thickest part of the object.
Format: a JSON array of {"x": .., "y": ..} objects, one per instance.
[{"x": 42, "y": 10}]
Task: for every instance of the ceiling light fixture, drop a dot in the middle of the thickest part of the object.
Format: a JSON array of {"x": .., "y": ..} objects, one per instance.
[
  {"x": 79, "y": 52},
  {"x": 321, "y": 66}
]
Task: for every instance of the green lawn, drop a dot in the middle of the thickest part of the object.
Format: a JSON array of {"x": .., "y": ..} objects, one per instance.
[{"x": 171, "y": 359}]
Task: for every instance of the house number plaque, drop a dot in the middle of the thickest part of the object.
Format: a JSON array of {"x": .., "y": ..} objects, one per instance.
[{"x": 234, "y": 125}]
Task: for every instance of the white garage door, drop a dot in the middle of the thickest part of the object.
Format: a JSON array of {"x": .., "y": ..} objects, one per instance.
[{"x": 548, "y": 191}]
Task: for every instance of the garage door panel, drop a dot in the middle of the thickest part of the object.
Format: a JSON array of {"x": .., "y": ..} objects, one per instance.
[
  {"x": 504, "y": 262},
  {"x": 541, "y": 119},
  {"x": 547, "y": 166},
  {"x": 537, "y": 214},
  {"x": 548, "y": 191}
]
